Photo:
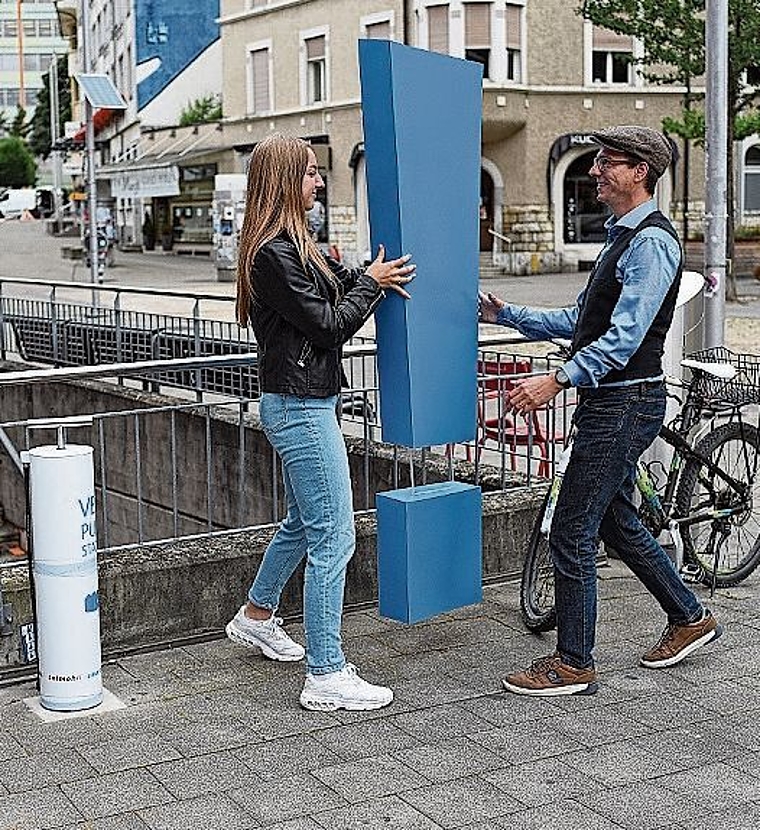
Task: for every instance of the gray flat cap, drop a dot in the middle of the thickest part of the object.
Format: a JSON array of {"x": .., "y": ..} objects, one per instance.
[{"x": 640, "y": 142}]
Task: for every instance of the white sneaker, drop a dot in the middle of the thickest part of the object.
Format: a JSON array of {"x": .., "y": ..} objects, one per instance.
[
  {"x": 343, "y": 689},
  {"x": 266, "y": 635}
]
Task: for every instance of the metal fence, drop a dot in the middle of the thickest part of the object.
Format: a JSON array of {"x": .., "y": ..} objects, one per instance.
[{"x": 215, "y": 361}]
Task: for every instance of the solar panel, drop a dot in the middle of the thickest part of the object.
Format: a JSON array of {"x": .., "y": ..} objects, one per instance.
[{"x": 100, "y": 92}]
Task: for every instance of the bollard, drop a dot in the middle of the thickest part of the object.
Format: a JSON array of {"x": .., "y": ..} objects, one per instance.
[{"x": 65, "y": 571}]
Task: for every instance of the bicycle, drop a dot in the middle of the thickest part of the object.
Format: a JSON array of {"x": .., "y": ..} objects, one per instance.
[{"x": 710, "y": 500}]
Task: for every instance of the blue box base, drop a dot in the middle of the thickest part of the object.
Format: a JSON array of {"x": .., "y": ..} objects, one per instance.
[{"x": 429, "y": 550}]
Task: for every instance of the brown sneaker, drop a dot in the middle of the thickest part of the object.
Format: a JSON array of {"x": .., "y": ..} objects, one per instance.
[
  {"x": 549, "y": 676},
  {"x": 678, "y": 641}
]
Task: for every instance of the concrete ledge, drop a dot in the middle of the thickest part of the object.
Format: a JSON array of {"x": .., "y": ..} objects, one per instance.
[{"x": 187, "y": 588}]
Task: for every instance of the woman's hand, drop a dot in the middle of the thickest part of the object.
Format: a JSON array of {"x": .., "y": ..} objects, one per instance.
[
  {"x": 489, "y": 307},
  {"x": 392, "y": 274}
]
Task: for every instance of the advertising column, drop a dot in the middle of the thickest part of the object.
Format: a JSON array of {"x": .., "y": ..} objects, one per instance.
[{"x": 65, "y": 571}]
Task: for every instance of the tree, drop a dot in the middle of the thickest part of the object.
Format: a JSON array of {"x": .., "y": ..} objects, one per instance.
[
  {"x": 673, "y": 34},
  {"x": 17, "y": 165},
  {"x": 201, "y": 111},
  {"x": 20, "y": 126},
  {"x": 40, "y": 140}
]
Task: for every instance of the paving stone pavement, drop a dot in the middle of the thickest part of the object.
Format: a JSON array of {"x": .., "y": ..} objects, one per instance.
[{"x": 213, "y": 737}]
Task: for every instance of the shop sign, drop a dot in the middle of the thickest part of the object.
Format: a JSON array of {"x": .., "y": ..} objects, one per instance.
[{"x": 146, "y": 183}]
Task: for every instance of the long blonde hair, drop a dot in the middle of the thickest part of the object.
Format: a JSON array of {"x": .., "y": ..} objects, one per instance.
[{"x": 274, "y": 203}]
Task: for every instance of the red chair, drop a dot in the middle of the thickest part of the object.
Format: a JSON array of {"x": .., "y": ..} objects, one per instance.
[{"x": 494, "y": 423}]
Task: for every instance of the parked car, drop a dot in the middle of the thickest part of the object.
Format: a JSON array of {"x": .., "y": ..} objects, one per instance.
[{"x": 13, "y": 202}]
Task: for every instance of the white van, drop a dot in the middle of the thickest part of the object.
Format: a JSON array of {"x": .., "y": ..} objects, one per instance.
[{"x": 14, "y": 202}]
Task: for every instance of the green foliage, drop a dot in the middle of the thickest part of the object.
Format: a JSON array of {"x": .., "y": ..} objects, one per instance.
[
  {"x": 17, "y": 165},
  {"x": 673, "y": 35},
  {"x": 747, "y": 124},
  {"x": 40, "y": 139},
  {"x": 690, "y": 126},
  {"x": 201, "y": 111},
  {"x": 20, "y": 126}
]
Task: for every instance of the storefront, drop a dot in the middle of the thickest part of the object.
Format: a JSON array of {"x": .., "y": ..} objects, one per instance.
[{"x": 171, "y": 197}]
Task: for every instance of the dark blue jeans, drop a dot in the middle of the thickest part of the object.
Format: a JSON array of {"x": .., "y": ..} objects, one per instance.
[{"x": 614, "y": 426}]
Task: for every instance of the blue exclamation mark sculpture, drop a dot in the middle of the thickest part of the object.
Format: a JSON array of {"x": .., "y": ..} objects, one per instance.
[{"x": 422, "y": 116}]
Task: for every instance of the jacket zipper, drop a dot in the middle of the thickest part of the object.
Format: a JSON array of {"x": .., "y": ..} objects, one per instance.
[{"x": 304, "y": 358}]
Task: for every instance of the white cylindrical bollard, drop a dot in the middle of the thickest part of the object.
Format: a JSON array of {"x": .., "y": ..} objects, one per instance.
[{"x": 66, "y": 576}]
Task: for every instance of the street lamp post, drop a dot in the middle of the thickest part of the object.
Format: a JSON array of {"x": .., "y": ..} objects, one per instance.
[
  {"x": 55, "y": 132},
  {"x": 92, "y": 192},
  {"x": 716, "y": 152}
]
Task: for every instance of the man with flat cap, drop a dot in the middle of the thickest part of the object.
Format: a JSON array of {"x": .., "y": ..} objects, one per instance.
[{"x": 617, "y": 328}]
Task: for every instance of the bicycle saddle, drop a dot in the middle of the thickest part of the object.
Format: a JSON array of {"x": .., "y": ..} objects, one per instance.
[{"x": 724, "y": 371}]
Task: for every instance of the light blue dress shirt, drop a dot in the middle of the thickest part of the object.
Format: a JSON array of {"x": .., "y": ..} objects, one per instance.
[{"x": 646, "y": 269}]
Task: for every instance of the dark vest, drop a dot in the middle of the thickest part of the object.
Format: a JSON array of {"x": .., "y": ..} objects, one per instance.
[{"x": 602, "y": 294}]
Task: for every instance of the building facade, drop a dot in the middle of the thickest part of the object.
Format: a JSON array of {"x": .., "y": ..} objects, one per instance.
[
  {"x": 550, "y": 78},
  {"x": 29, "y": 41},
  {"x": 162, "y": 57}
]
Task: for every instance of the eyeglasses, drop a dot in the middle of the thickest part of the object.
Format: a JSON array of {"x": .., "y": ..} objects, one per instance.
[{"x": 604, "y": 162}]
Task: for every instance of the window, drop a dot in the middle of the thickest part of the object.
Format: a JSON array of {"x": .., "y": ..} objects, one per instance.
[
  {"x": 438, "y": 29},
  {"x": 513, "y": 41},
  {"x": 611, "y": 57},
  {"x": 45, "y": 28},
  {"x": 752, "y": 179},
  {"x": 316, "y": 70},
  {"x": 128, "y": 73},
  {"x": 477, "y": 34},
  {"x": 259, "y": 81},
  {"x": 378, "y": 31}
]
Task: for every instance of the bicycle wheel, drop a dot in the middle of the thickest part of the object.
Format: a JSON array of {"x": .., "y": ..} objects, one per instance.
[
  {"x": 727, "y": 549},
  {"x": 537, "y": 583}
]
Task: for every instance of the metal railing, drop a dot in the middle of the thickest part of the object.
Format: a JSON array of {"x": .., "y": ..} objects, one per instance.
[
  {"x": 62, "y": 327},
  {"x": 143, "y": 466},
  {"x": 215, "y": 361}
]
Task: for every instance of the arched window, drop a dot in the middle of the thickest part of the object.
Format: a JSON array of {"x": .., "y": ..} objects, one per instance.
[{"x": 752, "y": 179}]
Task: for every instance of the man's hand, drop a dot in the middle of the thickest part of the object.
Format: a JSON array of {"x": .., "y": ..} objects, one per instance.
[
  {"x": 532, "y": 393},
  {"x": 489, "y": 307}
]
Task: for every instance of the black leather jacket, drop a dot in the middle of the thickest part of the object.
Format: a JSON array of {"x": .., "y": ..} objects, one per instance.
[{"x": 299, "y": 326}]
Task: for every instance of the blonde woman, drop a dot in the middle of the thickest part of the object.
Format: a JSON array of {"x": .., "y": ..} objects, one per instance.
[{"x": 303, "y": 308}]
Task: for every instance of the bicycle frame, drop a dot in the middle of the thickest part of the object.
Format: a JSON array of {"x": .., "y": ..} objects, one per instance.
[{"x": 662, "y": 508}]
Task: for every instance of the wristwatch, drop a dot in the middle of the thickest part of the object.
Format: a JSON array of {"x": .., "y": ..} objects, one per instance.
[{"x": 562, "y": 379}]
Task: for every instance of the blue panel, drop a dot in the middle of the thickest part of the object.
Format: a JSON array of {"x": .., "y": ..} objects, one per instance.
[
  {"x": 429, "y": 556},
  {"x": 422, "y": 115},
  {"x": 175, "y": 34}
]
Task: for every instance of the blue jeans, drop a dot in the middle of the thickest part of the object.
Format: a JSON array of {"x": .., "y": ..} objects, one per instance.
[
  {"x": 613, "y": 428},
  {"x": 319, "y": 524}
]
